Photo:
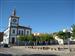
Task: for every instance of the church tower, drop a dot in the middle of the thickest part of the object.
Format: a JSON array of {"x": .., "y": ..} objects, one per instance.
[
  {"x": 13, "y": 19},
  {"x": 14, "y": 29}
]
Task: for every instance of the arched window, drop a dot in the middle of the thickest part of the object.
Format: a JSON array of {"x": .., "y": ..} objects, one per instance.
[
  {"x": 22, "y": 32},
  {"x": 19, "y": 32},
  {"x": 27, "y": 32}
]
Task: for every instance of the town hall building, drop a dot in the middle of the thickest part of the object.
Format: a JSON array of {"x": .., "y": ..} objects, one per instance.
[{"x": 14, "y": 29}]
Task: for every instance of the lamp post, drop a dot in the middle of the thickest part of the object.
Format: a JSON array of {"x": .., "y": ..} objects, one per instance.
[
  {"x": 36, "y": 36},
  {"x": 67, "y": 35},
  {"x": 18, "y": 39}
]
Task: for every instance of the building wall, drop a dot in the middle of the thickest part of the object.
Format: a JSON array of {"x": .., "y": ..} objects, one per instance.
[
  {"x": 13, "y": 33},
  {"x": 21, "y": 31},
  {"x": 29, "y": 32},
  {"x": 1, "y": 36},
  {"x": 6, "y": 36},
  {"x": 12, "y": 37},
  {"x": 9, "y": 34}
]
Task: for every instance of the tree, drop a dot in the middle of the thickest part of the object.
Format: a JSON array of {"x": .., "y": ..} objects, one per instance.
[
  {"x": 39, "y": 38},
  {"x": 29, "y": 37},
  {"x": 25, "y": 38},
  {"x": 50, "y": 37},
  {"x": 21, "y": 38},
  {"x": 45, "y": 38},
  {"x": 64, "y": 35},
  {"x": 61, "y": 35},
  {"x": 73, "y": 31}
]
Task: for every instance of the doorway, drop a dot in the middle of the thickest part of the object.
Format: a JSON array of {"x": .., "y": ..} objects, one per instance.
[{"x": 13, "y": 40}]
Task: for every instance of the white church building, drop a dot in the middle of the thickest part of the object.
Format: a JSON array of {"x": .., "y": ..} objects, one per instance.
[{"x": 14, "y": 29}]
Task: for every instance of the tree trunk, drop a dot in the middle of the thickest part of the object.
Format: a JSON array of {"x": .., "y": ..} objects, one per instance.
[
  {"x": 46, "y": 42},
  {"x": 34, "y": 43}
]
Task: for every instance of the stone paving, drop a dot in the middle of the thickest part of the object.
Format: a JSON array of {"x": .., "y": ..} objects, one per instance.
[{"x": 22, "y": 50}]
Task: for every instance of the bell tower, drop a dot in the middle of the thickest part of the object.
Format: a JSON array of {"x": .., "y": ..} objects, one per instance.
[{"x": 13, "y": 19}]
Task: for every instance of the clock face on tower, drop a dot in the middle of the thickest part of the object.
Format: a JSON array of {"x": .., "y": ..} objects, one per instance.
[{"x": 14, "y": 22}]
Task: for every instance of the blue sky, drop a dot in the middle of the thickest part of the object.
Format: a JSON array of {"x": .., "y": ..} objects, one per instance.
[{"x": 41, "y": 15}]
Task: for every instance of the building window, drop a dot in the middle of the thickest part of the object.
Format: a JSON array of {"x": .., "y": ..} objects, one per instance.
[
  {"x": 13, "y": 31},
  {"x": 22, "y": 32},
  {"x": 27, "y": 32},
  {"x": 19, "y": 32}
]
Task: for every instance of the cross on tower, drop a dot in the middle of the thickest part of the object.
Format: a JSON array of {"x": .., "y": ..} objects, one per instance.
[{"x": 14, "y": 12}]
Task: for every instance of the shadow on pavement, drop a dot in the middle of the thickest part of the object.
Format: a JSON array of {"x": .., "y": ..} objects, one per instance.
[
  {"x": 29, "y": 55},
  {"x": 5, "y": 54},
  {"x": 40, "y": 55}
]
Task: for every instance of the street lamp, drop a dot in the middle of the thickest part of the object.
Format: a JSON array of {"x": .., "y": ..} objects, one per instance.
[
  {"x": 18, "y": 39},
  {"x": 67, "y": 34},
  {"x": 36, "y": 36}
]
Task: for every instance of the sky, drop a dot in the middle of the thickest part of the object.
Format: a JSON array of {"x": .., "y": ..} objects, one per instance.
[{"x": 40, "y": 15}]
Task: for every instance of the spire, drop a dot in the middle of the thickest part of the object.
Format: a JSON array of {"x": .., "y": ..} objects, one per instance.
[{"x": 14, "y": 12}]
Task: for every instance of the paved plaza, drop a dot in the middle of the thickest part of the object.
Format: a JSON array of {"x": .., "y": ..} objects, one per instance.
[{"x": 22, "y": 50}]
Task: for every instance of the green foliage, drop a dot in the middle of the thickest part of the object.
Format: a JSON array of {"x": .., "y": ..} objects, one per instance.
[
  {"x": 37, "y": 38},
  {"x": 51, "y": 37},
  {"x": 73, "y": 31},
  {"x": 21, "y": 38},
  {"x": 25, "y": 38},
  {"x": 46, "y": 37},
  {"x": 29, "y": 37},
  {"x": 61, "y": 34},
  {"x": 64, "y": 35},
  {"x": 41, "y": 37}
]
